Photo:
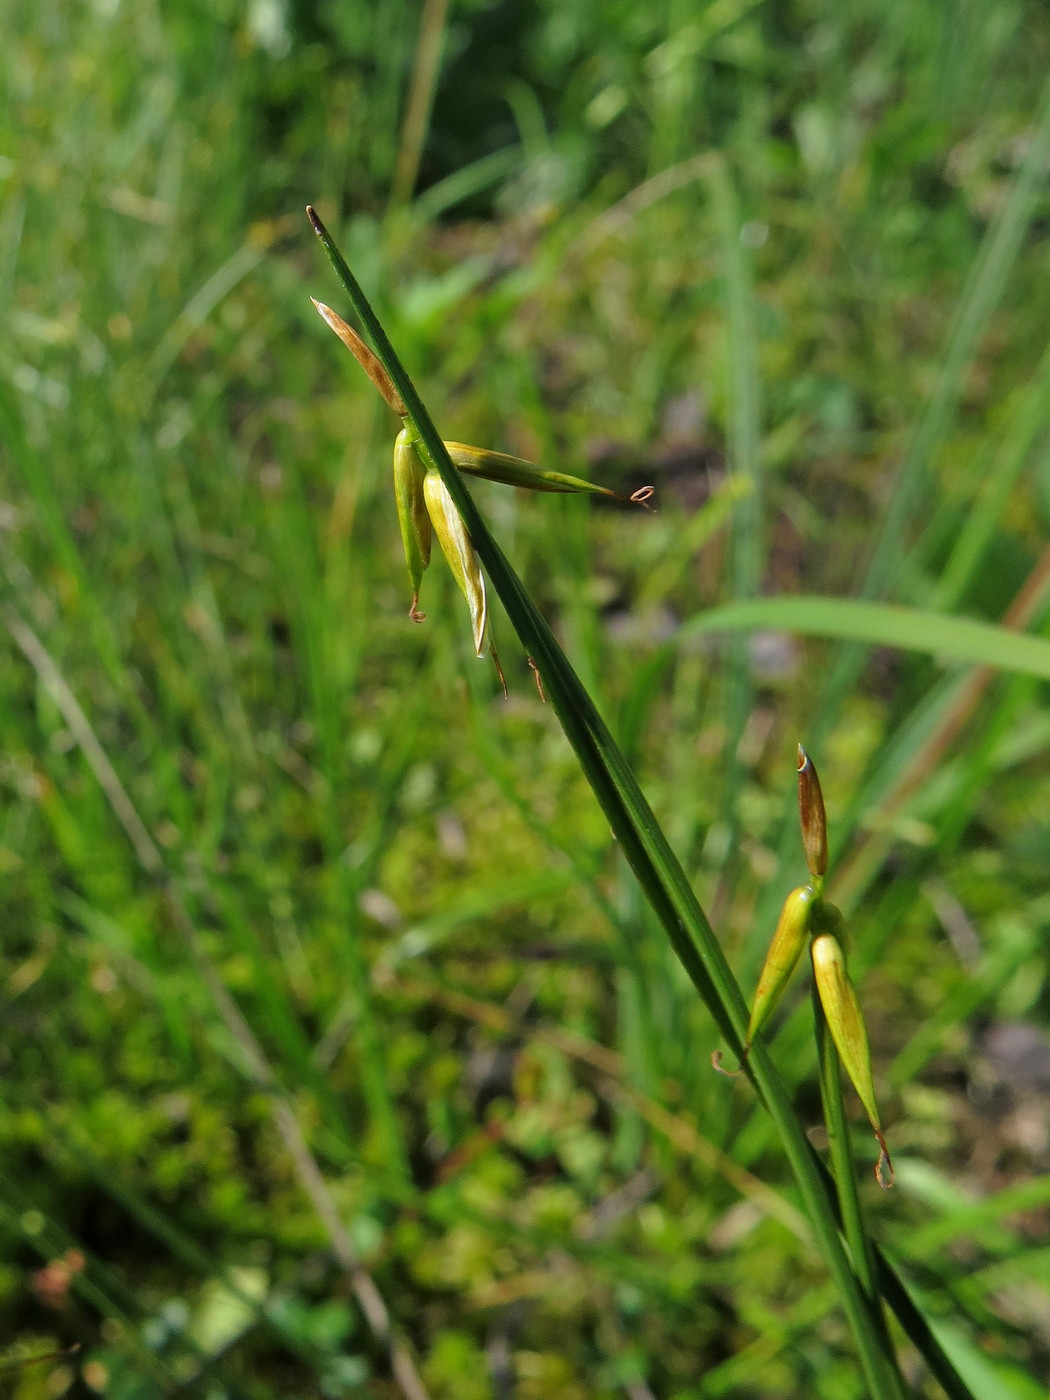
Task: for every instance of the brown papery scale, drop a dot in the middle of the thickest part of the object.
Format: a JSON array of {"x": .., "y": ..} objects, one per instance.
[
  {"x": 812, "y": 817},
  {"x": 364, "y": 356}
]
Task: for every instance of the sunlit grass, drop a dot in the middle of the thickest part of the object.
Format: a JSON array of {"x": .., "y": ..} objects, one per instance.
[{"x": 400, "y": 879}]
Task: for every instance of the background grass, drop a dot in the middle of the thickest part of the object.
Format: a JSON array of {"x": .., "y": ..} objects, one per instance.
[{"x": 788, "y": 265}]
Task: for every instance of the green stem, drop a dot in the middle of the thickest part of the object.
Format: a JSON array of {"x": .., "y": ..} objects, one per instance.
[
  {"x": 658, "y": 871},
  {"x": 843, "y": 1169}
]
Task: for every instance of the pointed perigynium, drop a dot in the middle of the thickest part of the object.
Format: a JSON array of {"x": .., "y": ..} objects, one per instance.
[
  {"x": 812, "y": 818},
  {"x": 456, "y": 546},
  {"x": 785, "y": 949},
  {"x": 782, "y": 958},
  {"x": 845, "y": 1022},
  {"x": 516, "y": 471},
  {"x": 477, "y": 461},
  {"x": 412, "y": 515},
  {"x": 807, "y": 914},
  {"x": 424, "y": 504}
]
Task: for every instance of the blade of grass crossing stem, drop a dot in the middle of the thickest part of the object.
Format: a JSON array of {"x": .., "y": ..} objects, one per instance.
[
  {"x": 881, "y": 624},
  {"x": 658, "y": 871}
]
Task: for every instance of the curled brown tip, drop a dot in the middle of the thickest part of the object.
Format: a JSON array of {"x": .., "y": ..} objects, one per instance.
[
  {"x": 716, "y": 1064},
  {"x": 414, "y": 612},
  {"x": 311, "y": 214},
  {"x": 642, "y": 496},
  {"x": 539, "y": 679},
  {"x": 803, "y": 758},
  {"x": 884, "y": 1173}
]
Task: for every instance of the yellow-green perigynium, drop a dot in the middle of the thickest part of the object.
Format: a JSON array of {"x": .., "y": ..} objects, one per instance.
[
  {"x": 425, "y": 506},
  {"x": 412, "y": 515},
  {"x": 458, "y": 550},
  {"x": 806, "y": 914},
  {"x": 782, "y": 957},
  {"x": 846, "y": 1024},
  {"x": 516, "y": 471},
  {"x": 424, "y": 509}
]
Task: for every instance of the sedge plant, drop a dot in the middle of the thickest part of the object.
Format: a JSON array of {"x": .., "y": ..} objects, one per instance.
[
  {"x": 807, "y": 914},
  {"x": 862, "y": 1288},
  {"x": 426, "y": 508},
  {"x": 841, "y": 1035}
]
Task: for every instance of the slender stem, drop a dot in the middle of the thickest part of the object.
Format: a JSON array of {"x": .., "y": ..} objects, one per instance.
[
  {"x": 844, "y": 1173},
  {"x": 657, "y": 869},
  {"x": 843, "y": 1169},
  {"x": 842, "y": 1165}
]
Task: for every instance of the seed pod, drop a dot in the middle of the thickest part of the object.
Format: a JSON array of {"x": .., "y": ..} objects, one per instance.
[
  {"x": 412, "y": 516},
  {"x": 812, "y": 817},
  {"x": 846, "y": 1024},
  {"x": 458, "y": 550},
  {"x": 784, "y": 952},
  {"x": 368, "y": 361},
  {"x": 516, "y": 471}
]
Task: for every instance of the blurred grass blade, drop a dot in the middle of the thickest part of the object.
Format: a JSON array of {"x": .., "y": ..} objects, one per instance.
[
  {"x": 989, "y": 1380},
  {"x": 742, "y": 383},
  {"x": 886, "y": 625},
  {"x": 420, "y": 100},
  {"x": 1003, "y": 468},
  {"x": 983, "y": 292},
  {"x": 463, "y": 184},
  {"x": 743, "y": 432},
  {"x": 658, "y": 871}
]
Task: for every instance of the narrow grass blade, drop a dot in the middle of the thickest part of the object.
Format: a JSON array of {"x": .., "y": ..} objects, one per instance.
[
  {"x": 886, "y": 625},
  {"x": 420, "y": 100},
  {"x": 743, "y": 441},
  {"x": 1003, "y": 471}
]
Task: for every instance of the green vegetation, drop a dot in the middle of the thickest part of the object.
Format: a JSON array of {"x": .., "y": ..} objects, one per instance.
[{"x": 327, "y": 1000}]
